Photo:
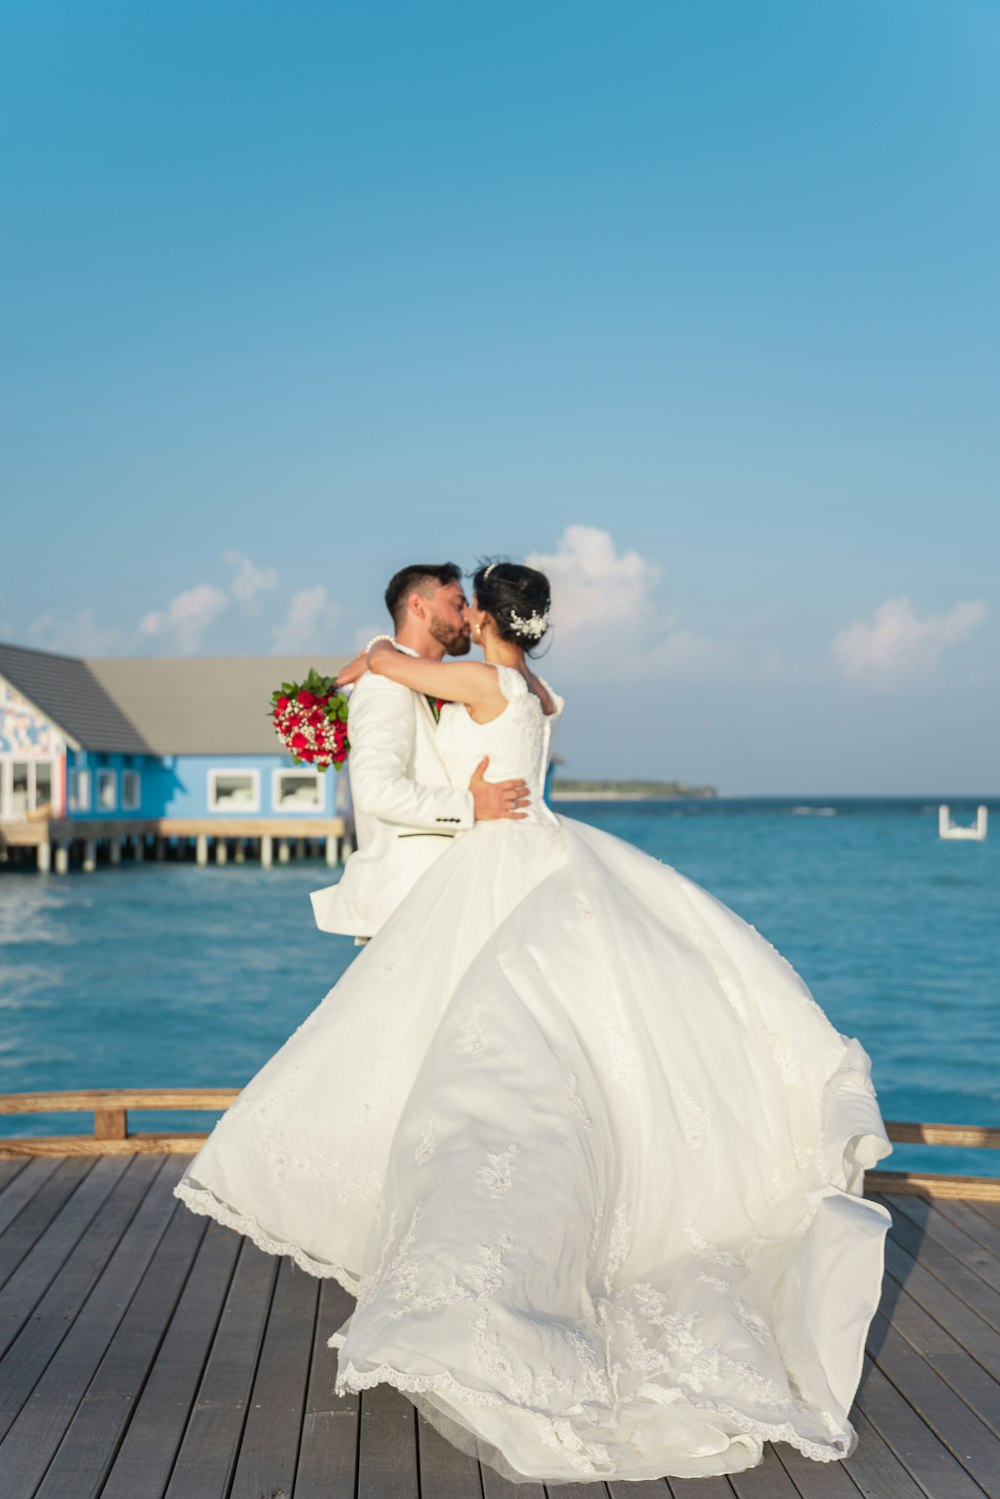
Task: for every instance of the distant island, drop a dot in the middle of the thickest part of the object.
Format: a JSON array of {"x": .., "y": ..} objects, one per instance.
[{"x": 566, "y": 790}]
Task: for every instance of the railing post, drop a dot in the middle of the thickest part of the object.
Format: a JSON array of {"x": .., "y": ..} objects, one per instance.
[{"x": 110, "y": 1124}]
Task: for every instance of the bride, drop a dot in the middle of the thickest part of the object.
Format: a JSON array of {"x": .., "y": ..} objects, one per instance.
[{"x": 578, "y": 1138}]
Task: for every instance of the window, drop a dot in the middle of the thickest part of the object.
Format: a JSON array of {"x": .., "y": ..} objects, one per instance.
[
  {"x": 19, "y": 788},
  {"x": 107, "y": 791},
  {"x": 131, "y": 790},
  {"x": 43, "y": 786},
  {"x": 233, "y": 791},
  {"x": 79, "y": 790},
  {"x": 297, "y": 791}
]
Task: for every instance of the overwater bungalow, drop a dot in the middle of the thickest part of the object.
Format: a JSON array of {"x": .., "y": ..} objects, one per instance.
[{"x": 101, "y": 755}]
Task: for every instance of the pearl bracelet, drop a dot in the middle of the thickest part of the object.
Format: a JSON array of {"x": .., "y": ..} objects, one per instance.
[{"x": 375, "y": 640}]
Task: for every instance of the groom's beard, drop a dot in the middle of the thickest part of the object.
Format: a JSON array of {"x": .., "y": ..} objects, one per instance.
[{"x": 456, "y": 639}]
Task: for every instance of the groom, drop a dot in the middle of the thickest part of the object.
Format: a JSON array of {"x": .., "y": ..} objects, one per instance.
[{"x": 406, "y": 810}]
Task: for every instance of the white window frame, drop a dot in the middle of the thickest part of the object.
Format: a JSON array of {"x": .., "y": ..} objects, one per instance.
[
  {"x": 78, "y": 773},
  {"x": 130, "y": 778},
  {"x": 33, "y": 783},
  {"x": 297, "y": 774},
  {"x": 105, "y": 771},
  {"x": 245, "y": 807},
  {"x": 7, "y": 762}
]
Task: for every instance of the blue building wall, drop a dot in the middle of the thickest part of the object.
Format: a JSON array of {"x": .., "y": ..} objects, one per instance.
[
  {"x": 190, "y": 792},
  {"x": 178, "y": 786}
]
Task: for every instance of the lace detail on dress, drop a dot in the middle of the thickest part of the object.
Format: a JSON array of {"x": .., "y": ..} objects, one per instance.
[
  {"x": 575, "y": 1100},
  {"x": 701, "y": 1247},
  {"x": 470, "y": 1035},
  {"x": 205, "y": 1203},
  {"x": 623, "y": 1058},
  {"x": 428, "y": 1142},
  {"x": 396, "y": 956},
  {"x": 498, "y": 1172},
  {"x": 483, "y": 1278},
  {"x": 619, "y": 1245},
  {"x": 696, "y": 1121}
]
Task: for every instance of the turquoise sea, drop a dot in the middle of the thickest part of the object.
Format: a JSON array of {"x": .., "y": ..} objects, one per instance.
[{"x": 168, "y": 975}]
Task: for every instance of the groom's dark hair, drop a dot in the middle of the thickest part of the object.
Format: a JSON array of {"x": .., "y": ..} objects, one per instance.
[{"x": 419, "y": 577}]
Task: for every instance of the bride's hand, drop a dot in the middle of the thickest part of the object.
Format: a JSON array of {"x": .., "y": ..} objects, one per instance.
[{"x": 353, "y": 670}]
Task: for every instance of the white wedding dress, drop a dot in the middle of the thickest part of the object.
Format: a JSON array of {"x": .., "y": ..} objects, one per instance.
[{"x": 586, "y": 1150}]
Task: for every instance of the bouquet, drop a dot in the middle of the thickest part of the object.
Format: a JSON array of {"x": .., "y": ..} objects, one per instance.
[{"x": 310, "y": 719}]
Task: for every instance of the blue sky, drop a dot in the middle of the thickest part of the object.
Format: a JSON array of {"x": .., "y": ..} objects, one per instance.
[{"x": 698, "y": 300}]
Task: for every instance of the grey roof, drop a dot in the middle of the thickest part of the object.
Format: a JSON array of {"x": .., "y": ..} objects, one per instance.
[
  {"x": 179, "y": 705},
  {"x": 204, "y": 705},
  {"x": 65, "y": 690}
]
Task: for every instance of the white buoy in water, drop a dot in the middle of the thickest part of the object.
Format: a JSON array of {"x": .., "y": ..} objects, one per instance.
[{"x": 948, "y": 829}]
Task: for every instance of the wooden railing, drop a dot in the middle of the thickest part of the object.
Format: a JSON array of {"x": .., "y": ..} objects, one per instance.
[
  {"x": 110, "y": 1108},
  {"x": 111, "y": 1135}
]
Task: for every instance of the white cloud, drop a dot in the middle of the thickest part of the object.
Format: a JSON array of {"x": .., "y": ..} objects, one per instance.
[
  {"x": 186, "y": 618},
  {"x": 898, "y": 643},
  {"x": 605, "y": 614},
  {"x": 249, "y": 580},
  {"x": 310, "y": 614},
  {"x": 80, "y": 635}
]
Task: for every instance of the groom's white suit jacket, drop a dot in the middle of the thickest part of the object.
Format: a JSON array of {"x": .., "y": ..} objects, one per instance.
[{"x": 405, "y": 810}]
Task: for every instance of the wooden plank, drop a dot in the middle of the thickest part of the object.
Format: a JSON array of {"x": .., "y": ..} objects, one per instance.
[
  {"x": 639, "y": 1488},
  {"x": 907, "y": 1247},
  {"x": 445, "y": 1473},
  {"x": 700, "y": 1488},
  {"x": 86, "y": 1100},
  {"x": 143, "y": 1462},
  {"x": 576, "y": 1491},
  {"x": 941, "y": 1411},
  {"x": 44, "y": 1329},
  {"x": 18, "y": 1193},
  {"x": 387, "y": 1450},
  {"x": 767, "y": 1481},
  {"x": 328, "y": 1450},
  {"x": 937, "y": 1341},
  {"x": 972, "y": 1136},
  {"x": 270, "y": 1445},
  {"x": 209, "y": 1447},
  {"x": 55, "y": 1244},
  {"x": 928, "y": 1184},
  {"x": 495, "y": 1487},
  {"x": 929, "y": 1219},
  {"x": 813, "y": 1480},
  {"x": 910, "y": 1439},
  {"x": 92, "y": 1438},
  {"x": 31, "y": 1223},
  {"x": 977, "y": 1220},
  {"x": 36, "y": 1434},
  {"x": 956, "y": 1315},
  {"x": 8, "y": 1170},
  {"x": 89, "y": 1145},
  {"x": 875, "y": 1468}
]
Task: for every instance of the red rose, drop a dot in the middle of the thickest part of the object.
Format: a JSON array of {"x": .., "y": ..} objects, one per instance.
[
  {"x": 282, "y": 704},
  {"x": 293, "y": 721},
  {"x": 308, "y": 754},
  {"x": 298, "y": 741},
  {"x": 439, "y": 703},
  {"x": 316, "y": 717},
  {"x": 307, "y": 699}
]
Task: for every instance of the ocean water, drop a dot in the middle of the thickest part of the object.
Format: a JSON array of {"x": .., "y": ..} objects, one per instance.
[{"x": 168, "y": 975}]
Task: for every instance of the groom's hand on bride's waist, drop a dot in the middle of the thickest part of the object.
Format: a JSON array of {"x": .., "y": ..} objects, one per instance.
[{"x": 495, "y": 800}]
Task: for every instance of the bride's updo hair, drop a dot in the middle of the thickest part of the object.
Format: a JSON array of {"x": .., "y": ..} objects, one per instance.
[{"x": 518, "y": 598}]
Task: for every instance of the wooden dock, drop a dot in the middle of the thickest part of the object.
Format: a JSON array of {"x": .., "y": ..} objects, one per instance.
[{"x": 146, "y": 1353}]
